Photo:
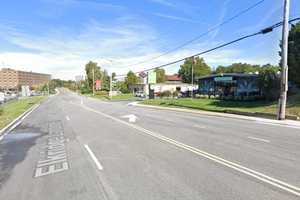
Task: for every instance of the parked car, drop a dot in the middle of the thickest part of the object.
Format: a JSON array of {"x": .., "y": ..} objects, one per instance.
[
  {"x": 2, "y": 97},
  {"x": 140, "y": 94}
]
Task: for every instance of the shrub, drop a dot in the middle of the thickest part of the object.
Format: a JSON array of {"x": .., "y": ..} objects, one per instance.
[
  {"x": 166, "y": 94},
  {"x": 101, "y": 93},
  {"x": 175, "y": 94},
  {"x": 1, "y": 110}
]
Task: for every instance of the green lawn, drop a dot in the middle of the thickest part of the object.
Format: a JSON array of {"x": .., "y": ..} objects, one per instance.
[
  {"x": 293, "y": 107},
  {"x": 13, "y": 109},
  {"x": 117, "y": 97}
]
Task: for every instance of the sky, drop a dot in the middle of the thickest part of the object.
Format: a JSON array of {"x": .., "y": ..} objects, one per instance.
[{"x": 60, "y": 36}]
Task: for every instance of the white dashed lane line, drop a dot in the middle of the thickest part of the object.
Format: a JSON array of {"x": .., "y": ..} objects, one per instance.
[{"x": 259, "y": 139}]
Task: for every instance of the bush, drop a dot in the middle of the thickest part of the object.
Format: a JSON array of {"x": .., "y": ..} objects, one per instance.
[
  {"x": 269, "y": 82},
  {"x": 101, "y": 93},
  {"x": 1, "y": 111},
  {"x": 85, "y": 90},
  {"x": 175, "y": 94},
  {"x": 165, "y": 94}
]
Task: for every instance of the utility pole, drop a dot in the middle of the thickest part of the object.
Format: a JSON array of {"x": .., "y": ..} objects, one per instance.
[
  {"x": 48, "y": 88},
  {"x": 192, "y": 92},
  {"x": 93, "y": 81},
  {"x": 284, "y": 66},
  {"x": 110, "y": 86}
]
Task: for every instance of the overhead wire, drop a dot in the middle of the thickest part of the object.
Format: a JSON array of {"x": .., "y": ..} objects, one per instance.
[
  {"x": 262, "y": 31},
  {"x": 202, "y": 34}
]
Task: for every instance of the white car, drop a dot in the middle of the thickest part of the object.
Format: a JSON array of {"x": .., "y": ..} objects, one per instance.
[
  {"x": 2, "y": 97},
  {"x": 140, "y": 94}
]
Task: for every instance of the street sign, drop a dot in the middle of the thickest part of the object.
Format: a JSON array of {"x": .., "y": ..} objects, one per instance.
[
  {"x": 143, "y": 74},
  {"x": 98, "y": 84},
  {"x": 151, "y": 77}
]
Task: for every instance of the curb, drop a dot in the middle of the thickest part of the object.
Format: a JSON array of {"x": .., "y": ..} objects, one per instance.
[
  {"x": 225, "y": 115},
  {"x": 4, "y": 131}
]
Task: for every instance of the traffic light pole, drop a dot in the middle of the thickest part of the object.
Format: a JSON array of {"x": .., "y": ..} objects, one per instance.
[{"x": 284, "y": 66}]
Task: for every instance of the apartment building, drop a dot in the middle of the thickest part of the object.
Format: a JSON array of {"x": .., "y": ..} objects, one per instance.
[{"x": 11, "y": 79}]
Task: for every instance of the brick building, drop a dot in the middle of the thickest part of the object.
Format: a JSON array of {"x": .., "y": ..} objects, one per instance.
[{"x": 11, "y": 79}]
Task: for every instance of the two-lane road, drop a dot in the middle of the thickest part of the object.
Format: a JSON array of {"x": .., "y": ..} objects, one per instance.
[{"x": 73, "y": 147}]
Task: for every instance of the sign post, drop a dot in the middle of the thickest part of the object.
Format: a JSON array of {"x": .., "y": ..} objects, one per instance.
[{"x": 151, "y": 80}]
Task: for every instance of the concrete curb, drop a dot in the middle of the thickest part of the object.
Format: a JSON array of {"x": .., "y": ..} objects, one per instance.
[
  {"x": 292, "y": 123},
  {"x": 16, "y": 121}
]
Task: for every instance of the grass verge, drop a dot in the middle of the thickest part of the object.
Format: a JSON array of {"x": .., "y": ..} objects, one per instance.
[
  {"x": 119, "y": 97},
  {"x": 293, "y": 106},
  {"x": 15, "y": 108}
]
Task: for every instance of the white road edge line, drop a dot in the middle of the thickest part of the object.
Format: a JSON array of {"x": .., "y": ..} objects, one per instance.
[
  {"x": 17, "y": 122},
  {"x": 259, "y": 139},
  {"x": 99, "y": 166},
  {"x": 274, "y": 124},
  {"x": 67, "y": 118},
  {"x": 260, "y": 176}
]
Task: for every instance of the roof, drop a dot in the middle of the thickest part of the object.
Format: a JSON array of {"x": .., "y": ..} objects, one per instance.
[
  {"x": 228, "y": 74},
  {"x": 174, "y": 77}
]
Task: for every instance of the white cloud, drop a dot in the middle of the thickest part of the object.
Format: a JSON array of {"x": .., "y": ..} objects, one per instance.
[
  {"x": 116, "y": 45},
  {"x": 177, "y": 18}
]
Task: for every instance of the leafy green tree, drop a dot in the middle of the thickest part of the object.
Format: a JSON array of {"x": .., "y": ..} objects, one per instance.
[
  {"x": 200, "y": 69},
  {"x": 114, "y": 76},
  {"x": 160, "y": 75},
  {"x": 294, "y": 54},
  {"x": 105, "y": 80},
  {"x": 269, "y": 81},
  {"x": 89, "y": 68},
  {"x": 131, "y": 78},
  {"x": 122, "y": 86},
  {"x": 238, "y": 68}
]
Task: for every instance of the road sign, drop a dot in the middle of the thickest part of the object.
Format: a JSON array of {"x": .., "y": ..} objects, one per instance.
[
  {"x": 98, "y": 84},
  {"x": 151, "y": 77},
  {"x": 143, "y": 74}
]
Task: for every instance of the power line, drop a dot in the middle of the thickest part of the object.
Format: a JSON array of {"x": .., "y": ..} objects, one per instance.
[
  {"x": 203, "y": 34},
  {"x": 263, "y": 31}
]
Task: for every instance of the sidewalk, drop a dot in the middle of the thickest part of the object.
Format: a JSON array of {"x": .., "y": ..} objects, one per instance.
[{"x": 289, "y": 123}]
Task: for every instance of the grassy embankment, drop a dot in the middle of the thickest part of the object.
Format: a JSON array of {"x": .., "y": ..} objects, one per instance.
[
  {"x": 11, "y": 110},
  {"x": 293, "y": 106}
]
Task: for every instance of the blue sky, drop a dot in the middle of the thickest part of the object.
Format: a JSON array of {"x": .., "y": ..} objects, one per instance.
[{"x": 60, "y": 36}]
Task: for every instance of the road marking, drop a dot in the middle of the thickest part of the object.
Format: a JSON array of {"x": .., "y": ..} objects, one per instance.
[
  {"x": 53, "y": 157},
  {"x": 255, "y": 174},
  {"x": 16, "y": 122},
  {"x": 199, "y": 126},
  {"x": 259, "y": 139},
  {"x": 131, "y": 117},
  {"x": 274, "y": 124},
  {"x": 67, "y": 118},
  {"x": 99, "y": 166},
  {"x": 132, "y": 103}
]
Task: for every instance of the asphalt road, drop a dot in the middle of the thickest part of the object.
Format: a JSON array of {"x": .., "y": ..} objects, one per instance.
[{"x": 73, "y": 147}]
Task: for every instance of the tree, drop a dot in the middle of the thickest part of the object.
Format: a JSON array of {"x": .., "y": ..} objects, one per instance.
[
  {"x": 160, "y": 75},
  {"x": 122, "y": 86},
  {"x": 131, "y": 78},
  {"x": 114, "y": 76},
  {"x": 238, "y": 68},
  {"x": 294, "y": 54},
  {"x": 200, "y": 69},
  {"x": 89, "y": 67},
  {"x": 105, "y": 80},
  {"x": 269, "y": 81}
]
